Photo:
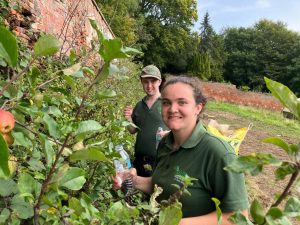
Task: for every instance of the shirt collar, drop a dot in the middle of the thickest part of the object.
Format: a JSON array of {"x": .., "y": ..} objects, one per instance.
[
  {"x": 145, "y": 100},
  {"x": 192, "y": 141}
]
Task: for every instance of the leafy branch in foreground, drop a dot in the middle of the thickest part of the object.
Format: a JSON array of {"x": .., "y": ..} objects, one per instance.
[
  {"x": 254, "y": 163},
  {"x": 46, "y": 184}
]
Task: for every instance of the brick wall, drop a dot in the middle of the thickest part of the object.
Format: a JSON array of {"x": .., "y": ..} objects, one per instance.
[{"x": 66, "y": 19}]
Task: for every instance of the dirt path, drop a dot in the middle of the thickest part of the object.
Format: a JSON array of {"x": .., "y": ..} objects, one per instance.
[{"x": 263, "y": 186}]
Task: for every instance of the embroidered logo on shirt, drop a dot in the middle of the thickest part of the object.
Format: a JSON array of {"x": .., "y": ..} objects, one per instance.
[{"x": 179, "y": 174}]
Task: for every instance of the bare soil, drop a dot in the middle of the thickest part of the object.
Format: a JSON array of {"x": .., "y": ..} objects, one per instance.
[{"x": 263, "y": 186}]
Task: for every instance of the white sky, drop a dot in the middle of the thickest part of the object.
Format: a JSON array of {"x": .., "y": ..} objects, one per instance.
[{"x": 245, "y": 13}]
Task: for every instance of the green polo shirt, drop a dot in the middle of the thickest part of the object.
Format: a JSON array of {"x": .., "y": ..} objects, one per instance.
[
  {"x": 148, "y": 120},
  {"x": 203, "y": 156}
]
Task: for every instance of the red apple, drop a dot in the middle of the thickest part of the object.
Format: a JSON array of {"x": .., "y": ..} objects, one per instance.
[{"x": 7, "y": 121}]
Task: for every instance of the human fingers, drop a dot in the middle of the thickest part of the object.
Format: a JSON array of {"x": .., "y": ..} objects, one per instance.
[
  {"x": 133, "y": 175},
  {"x": 116, "y": 182}
]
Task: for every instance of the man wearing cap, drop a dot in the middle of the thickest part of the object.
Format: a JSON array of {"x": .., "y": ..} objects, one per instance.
[{"x": 146, "y": 115}]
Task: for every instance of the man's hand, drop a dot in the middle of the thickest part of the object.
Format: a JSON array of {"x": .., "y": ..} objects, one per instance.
[{"x": 127, "y": 112}]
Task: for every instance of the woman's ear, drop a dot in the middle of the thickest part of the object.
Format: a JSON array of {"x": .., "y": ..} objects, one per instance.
[{"x": 199, "y": 108}]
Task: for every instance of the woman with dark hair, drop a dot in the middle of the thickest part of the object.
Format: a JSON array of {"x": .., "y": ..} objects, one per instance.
[{"x": 190, "y": 150}]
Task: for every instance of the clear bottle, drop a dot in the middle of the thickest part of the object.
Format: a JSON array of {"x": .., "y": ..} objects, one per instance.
[
  {"x": 158, "y": 136},
  {"x": 122, "y": 167},
  {"x": 119, "y": 171}
]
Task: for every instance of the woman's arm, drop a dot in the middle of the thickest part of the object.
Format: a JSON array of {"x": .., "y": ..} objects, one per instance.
[
  {"x": 209, "y": 219},
  {"x": 143, "y": 184}
]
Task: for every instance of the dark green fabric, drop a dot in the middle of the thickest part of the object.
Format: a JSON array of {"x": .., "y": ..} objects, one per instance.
[
  {"x": 148, "y": 120},
  {"x": 203, "y": 156}
]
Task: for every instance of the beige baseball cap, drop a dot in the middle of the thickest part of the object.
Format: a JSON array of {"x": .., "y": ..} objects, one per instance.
[{"x": 151, "y": 71}]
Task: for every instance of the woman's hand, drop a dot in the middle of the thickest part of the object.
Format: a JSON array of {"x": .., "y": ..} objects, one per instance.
[
  {"x": 120, "y": 177},
  {"x": 164, "y": 133}
]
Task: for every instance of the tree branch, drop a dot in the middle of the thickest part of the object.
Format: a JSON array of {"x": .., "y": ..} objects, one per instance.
[{"x": 58, "y": 155}]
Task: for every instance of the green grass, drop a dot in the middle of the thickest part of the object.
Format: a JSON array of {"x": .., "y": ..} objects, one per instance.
[{"x": 265, "y": 118}]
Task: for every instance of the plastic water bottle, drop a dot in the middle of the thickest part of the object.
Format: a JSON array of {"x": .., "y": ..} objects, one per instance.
[
  {"x": 119, "y": 170},
  {"x": 122, "y": 166},
  {"x": 158, "y": 137},
  {"x": 124, "y": 155}
]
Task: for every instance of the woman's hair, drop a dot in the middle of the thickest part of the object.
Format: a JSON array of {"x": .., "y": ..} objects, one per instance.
[{"x": 193, "y": 82}]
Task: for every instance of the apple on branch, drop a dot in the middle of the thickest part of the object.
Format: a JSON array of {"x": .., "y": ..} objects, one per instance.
[{"x": 7, "y": 121}]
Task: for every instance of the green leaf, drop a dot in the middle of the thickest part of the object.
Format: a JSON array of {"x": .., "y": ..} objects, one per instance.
[
  {"x": 88, "y": 71},
  {"x": 282, "y": 221},
  {"x": 21, "y": 139},
  {"x": 72, "y": 56},
  {"x": 170, "y": 215},
  {"x": 73, "y": 179},
  {"x": 218, "y": 209},
  {"x": 7, "y": 187},
  {"x": 48, "y": 150},
  {"x": 104, "y": 72},
  {"x": 4, "y": 216},
  {"x": 28, "y": 185},
  {"x": 88, "y": 126},
  {"x": 23, "y": 209},
  {"x": 74, "y": 204},
  {"x": 284, "y": 95},
  {"x": 257, "y": 213},
  {"x": 53, "y": 110},
  {"x": 275, "y": 213},
  {"x": 240, "y": 219},
  {"x": 294, "y": 149},
  {"x": 292, "y": 207},
  {"x": 124, "y": 213},
  {"x": 108, "y": 93},
  {"x": 131, "y": 51},
  {"x": 46, "y": 45},
  {"x": 99, "y": 33},
  {"x": 4, "y": 157},
  {"x": 51, "y": 125},
  {"x": 279, "y": 142},
  {"x": 62, "y": 170},
  {"x": 112, "y": 49},
  {"x": 86, "y": 202},
  {"x": 253, "y": 163},
  {"x": 11, "y": 92},
  {"x": 36, "y": 164},
  {"x": 8, "y": 47},
  {"x": 72, "y": 70},
  {"x": 284, "y": 170},
  {"x": 33, "y": 75},
  {"x": 89, "y": 154},
  {"x": 70, "y": 81}
]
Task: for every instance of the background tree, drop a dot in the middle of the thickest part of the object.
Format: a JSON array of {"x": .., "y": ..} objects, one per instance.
[
  {"x": 124, "y": 18},
  {"x": 210, "y": 56},
  {"x": 266, "y": 49},
  {"x": 168, "y": 23},
  {"x": 161, "y": 29}
]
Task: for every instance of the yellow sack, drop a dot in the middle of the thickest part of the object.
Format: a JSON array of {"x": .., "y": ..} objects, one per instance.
[{"x": 233, "y": 137}]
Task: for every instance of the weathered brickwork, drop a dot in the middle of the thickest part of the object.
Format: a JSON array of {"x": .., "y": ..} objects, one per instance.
[{"x": 66, "y": 19}]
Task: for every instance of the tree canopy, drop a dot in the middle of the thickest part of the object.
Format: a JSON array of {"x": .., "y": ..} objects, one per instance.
[
  {"x": 161, "y": 29},
  {"x": 266, "y": 49}
]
